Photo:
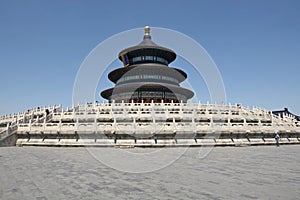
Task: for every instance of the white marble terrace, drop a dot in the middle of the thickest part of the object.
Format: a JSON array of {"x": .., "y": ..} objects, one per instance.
[{"x": 149, "y": 124}]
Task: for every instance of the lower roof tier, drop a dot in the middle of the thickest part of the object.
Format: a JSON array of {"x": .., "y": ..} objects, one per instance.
[
  {"x": 149, "y": 69},
  {"x": 149, "y": 90}
]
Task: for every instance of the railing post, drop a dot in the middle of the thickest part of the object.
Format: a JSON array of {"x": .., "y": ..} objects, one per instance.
[
  {"x": 7, "y": 129},
  {"x": 73, "y": 112},
  {"x": 95, "y": 124},
  {"x": 134, "y": 125},
  {"x": 30, "y": 125},
  {"x": 59, "y": 126},
  {"x": 17, "y": 120},
  {"x": 76, "y": 124},
  {"x": 153, "y": 122},
  {"x": 114, "y": 123},
  {"x": 61, "y": 113},
  {"x": 44, "y": 124},
  {"x": 174, "y": 124},
  {"x": 194, "y": 124}
]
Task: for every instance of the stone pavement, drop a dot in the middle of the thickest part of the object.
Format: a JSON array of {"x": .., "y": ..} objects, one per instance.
[{"x": 263, "y": 172}]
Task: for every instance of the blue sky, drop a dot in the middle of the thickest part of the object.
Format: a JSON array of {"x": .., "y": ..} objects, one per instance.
[{"x": 255, "y": 44}]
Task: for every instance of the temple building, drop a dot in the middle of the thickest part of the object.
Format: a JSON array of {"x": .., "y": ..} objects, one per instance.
[
  {"x": 146, "y": 75},
  {"x": 148, "y": 108}
]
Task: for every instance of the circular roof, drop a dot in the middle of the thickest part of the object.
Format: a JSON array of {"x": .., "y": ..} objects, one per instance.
[
  {"x": 147, "y": 86},
  {"x": 142, "y": 49},
  {"x": 152, "y": 68}
]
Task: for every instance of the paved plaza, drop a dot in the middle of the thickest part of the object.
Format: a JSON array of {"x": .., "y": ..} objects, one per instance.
[{"x": 263, "y": 172}]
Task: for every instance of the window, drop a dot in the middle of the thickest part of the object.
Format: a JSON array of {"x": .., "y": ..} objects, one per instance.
[
  {"x": 148, "y": 58},
  {"x": 148, "y": 76}
]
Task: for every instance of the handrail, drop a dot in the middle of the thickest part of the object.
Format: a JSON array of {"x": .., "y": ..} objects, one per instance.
[
  {"x": 2, "y": 133},
  {"x": 115, "y": 110},
  {"x": 8, "y": 131}
]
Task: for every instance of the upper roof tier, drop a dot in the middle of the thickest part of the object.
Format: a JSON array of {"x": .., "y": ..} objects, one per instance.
[{"x": 147, "y": 52}]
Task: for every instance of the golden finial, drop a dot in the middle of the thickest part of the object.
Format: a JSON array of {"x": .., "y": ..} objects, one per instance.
[{"x": 147, "y": 30}]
